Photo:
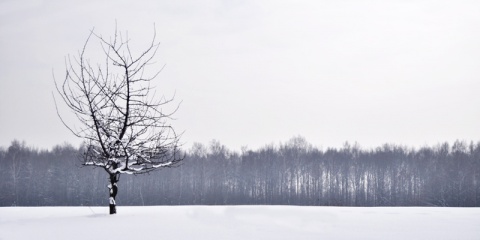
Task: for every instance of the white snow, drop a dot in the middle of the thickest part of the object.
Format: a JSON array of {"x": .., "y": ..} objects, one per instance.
[{"x": 239, "y": 222}]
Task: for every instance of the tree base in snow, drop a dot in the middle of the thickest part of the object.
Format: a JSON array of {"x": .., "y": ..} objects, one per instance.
[{"x": 113, "y": 209}]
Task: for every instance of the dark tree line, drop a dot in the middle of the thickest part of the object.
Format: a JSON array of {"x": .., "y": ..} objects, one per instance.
[{"x": 292, "y": 173}]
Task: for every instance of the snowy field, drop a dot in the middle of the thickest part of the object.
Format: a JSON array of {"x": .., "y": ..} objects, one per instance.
[{"x": 239, "y": 222}]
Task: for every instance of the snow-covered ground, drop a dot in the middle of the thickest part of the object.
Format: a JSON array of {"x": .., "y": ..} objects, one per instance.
[{"x": 239, "y": 222}]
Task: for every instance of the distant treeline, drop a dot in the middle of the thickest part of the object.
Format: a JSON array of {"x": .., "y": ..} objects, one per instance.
[{"x": 293, "y": 173}]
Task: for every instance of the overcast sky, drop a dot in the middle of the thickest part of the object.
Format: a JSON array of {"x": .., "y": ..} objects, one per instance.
[{"x": 250, "y": 73}]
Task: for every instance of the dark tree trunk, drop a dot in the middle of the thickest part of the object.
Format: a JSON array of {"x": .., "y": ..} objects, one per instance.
[{"x": 113, "y": 193}]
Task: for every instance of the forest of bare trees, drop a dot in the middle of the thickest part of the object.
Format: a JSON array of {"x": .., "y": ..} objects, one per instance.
[{"x": 293, "y": 173}]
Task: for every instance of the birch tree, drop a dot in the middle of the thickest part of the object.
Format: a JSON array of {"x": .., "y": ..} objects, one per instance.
[{"x": 124, "y": 124}]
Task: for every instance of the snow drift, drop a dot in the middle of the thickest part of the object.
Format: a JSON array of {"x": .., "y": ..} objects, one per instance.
[{"x": 239, "y": 222}]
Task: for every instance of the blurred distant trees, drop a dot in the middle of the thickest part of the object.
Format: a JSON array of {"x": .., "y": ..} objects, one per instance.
[{"x": 293, "y": 173}]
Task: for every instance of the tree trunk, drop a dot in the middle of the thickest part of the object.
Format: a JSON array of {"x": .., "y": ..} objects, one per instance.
[{"x": 113, "y": 193}]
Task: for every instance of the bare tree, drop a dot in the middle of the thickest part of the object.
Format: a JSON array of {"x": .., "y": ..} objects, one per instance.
[{"x": 123, "y": 123}]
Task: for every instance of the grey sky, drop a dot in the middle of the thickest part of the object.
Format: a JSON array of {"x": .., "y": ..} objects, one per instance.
[{"x": 251, "y": 73}]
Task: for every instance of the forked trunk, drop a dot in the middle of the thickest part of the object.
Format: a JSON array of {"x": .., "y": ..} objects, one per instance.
[{"x": 113, "y": 193}]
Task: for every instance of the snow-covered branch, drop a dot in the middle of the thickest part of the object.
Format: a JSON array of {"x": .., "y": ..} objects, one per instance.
[{"x": 123, "y": 123}]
